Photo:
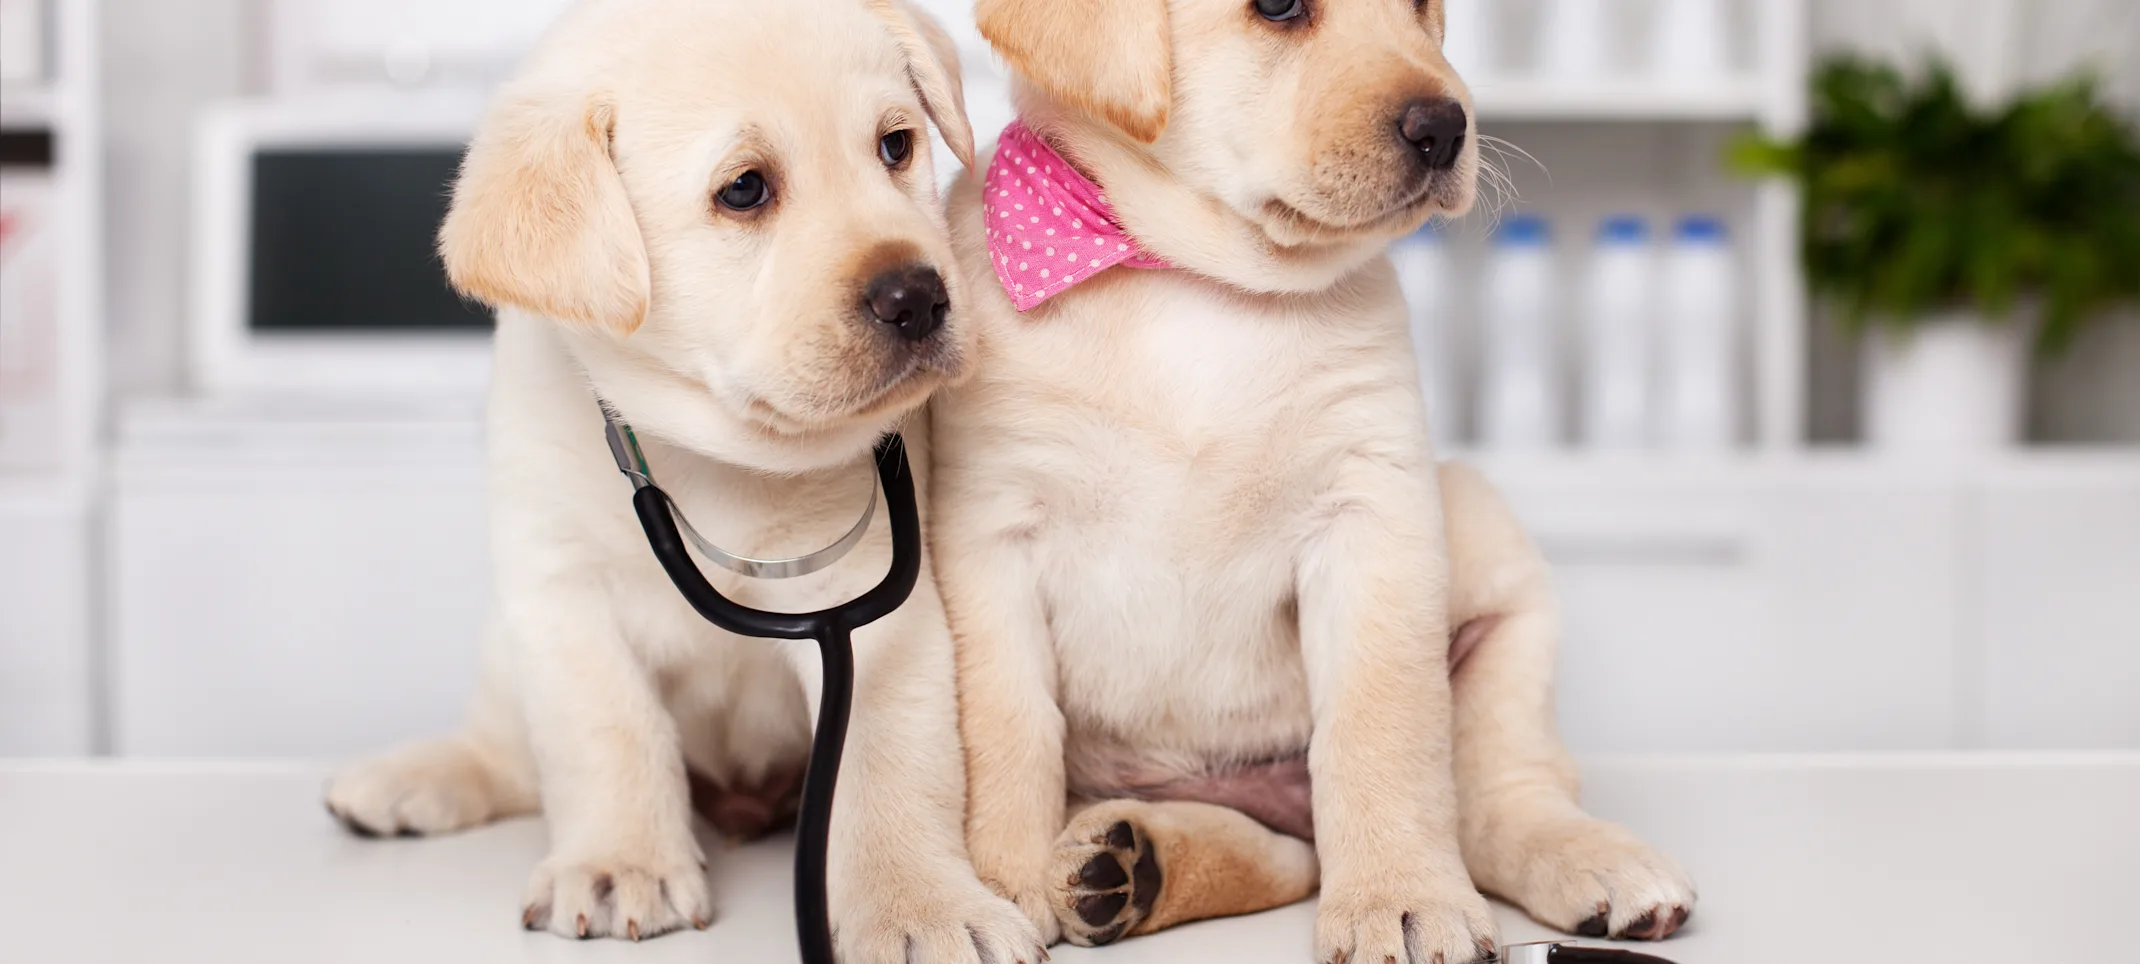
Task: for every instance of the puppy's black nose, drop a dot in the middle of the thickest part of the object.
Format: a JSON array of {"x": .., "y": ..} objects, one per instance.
[
  {"x": 910, "y": 299},
  {"x": 1436, "y": 127}
]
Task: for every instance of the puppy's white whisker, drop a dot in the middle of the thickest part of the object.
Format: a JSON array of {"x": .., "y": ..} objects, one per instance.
[{"x": 1504, "y": 148}]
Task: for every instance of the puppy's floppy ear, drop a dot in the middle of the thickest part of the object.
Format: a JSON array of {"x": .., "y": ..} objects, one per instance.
[
  {"x": 540, "y": 220},
  {"x": 1110, "y": 58},
  {"x": 933, "y": 63}
]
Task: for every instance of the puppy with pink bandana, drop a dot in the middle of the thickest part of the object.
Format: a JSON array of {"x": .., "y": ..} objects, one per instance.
[{"x": 1227, "y": 634}]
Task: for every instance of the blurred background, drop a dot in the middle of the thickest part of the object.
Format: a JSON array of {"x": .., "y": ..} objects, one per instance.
[{"x": 1876, "y": 487}]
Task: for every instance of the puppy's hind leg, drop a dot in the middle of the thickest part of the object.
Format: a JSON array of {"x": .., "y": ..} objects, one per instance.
[
  {"x": 1128, "y": 867},
  {"x": 1525, "y": 837},
  {"x": 478, "y": 775}
]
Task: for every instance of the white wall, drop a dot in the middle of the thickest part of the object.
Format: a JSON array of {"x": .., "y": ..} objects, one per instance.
[{"x": 1996, "y": 44}]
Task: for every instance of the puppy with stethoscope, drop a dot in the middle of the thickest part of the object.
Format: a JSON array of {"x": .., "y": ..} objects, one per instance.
[{"x": 717, "y": 223}]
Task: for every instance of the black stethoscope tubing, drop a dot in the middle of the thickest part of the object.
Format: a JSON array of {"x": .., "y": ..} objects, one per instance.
[{"x": 832, "y": 629}]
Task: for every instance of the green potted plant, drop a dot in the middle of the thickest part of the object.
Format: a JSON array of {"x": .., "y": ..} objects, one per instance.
[{"x": 1945, "y": 232}]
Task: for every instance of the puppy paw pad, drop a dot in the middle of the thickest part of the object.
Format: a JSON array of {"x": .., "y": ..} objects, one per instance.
[{"x": 1113, "y": 889}]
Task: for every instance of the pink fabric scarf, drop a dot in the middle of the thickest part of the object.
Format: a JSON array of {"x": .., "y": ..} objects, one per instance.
[{"x": 1049, "y": 227}]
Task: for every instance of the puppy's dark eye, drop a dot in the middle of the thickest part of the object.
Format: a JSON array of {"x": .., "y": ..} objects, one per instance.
[
  {"x": 747, "y": 191},
  {"x": 896, "y": 147},
  {"x": 1280, "y": 9}
]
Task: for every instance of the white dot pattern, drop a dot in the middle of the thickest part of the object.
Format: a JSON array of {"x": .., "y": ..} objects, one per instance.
[{"x": 1025, "y": 166}]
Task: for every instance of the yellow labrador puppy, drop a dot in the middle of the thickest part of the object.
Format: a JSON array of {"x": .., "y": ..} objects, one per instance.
[
  {"x": 1214, "y": 599},
  {"x": 719, "y": 216}
]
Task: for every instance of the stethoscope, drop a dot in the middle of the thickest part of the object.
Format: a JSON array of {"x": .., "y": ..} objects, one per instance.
[{"x": 669, "y": 533}]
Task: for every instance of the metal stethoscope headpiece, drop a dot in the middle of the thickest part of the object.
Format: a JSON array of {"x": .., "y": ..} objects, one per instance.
[{"x": 624, "y": 445}]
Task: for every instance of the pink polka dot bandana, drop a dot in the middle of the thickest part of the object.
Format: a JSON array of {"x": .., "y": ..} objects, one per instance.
[{"x": 1048, "y": 226}]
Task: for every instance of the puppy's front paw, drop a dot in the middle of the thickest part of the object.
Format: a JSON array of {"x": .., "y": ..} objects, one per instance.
[
  {"x": 425, "y": 788},
  {"x": 1596, "y": 879},
  {"x": 1405, "y": 924},
  {"x": 956, "y": 922},
  {"x": 616, "y": 896}
]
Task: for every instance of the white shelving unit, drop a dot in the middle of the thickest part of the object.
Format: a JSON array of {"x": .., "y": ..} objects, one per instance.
[
  {"x": 65, "y": 106},
  {"x": 1735, "y": 98},
  {"x": 1766, "y": 89},
  {"x": 49, "y": 507}
]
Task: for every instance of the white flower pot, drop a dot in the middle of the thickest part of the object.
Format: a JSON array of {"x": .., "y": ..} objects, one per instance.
[{"x": 1952, "y": 383}]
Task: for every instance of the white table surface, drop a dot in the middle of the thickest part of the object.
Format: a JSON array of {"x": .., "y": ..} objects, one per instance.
[{"x": 1993, "y": 859}]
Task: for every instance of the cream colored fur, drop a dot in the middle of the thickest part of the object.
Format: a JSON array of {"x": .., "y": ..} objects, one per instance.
[
  {"x": 736, "y": 345},
  {"x": 1189, "y": 519}
]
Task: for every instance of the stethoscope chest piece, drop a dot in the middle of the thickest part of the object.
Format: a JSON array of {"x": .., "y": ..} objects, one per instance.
[{"x": 1564, "y": 952}]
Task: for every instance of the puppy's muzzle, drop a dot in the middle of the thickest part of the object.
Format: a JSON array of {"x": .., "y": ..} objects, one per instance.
[
  {"x": 910, "y": 300},
  {"x": 1435, "y": 128}
]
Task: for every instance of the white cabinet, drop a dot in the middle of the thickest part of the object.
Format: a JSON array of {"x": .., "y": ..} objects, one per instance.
[
  {"x": 47, "y": 686},
  {"x": 1842, "y": 602},
  {"x": 302, "y": 588},
  {"x": 1742, "y": 607},
  {"x": 2058, "y": 580}
]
